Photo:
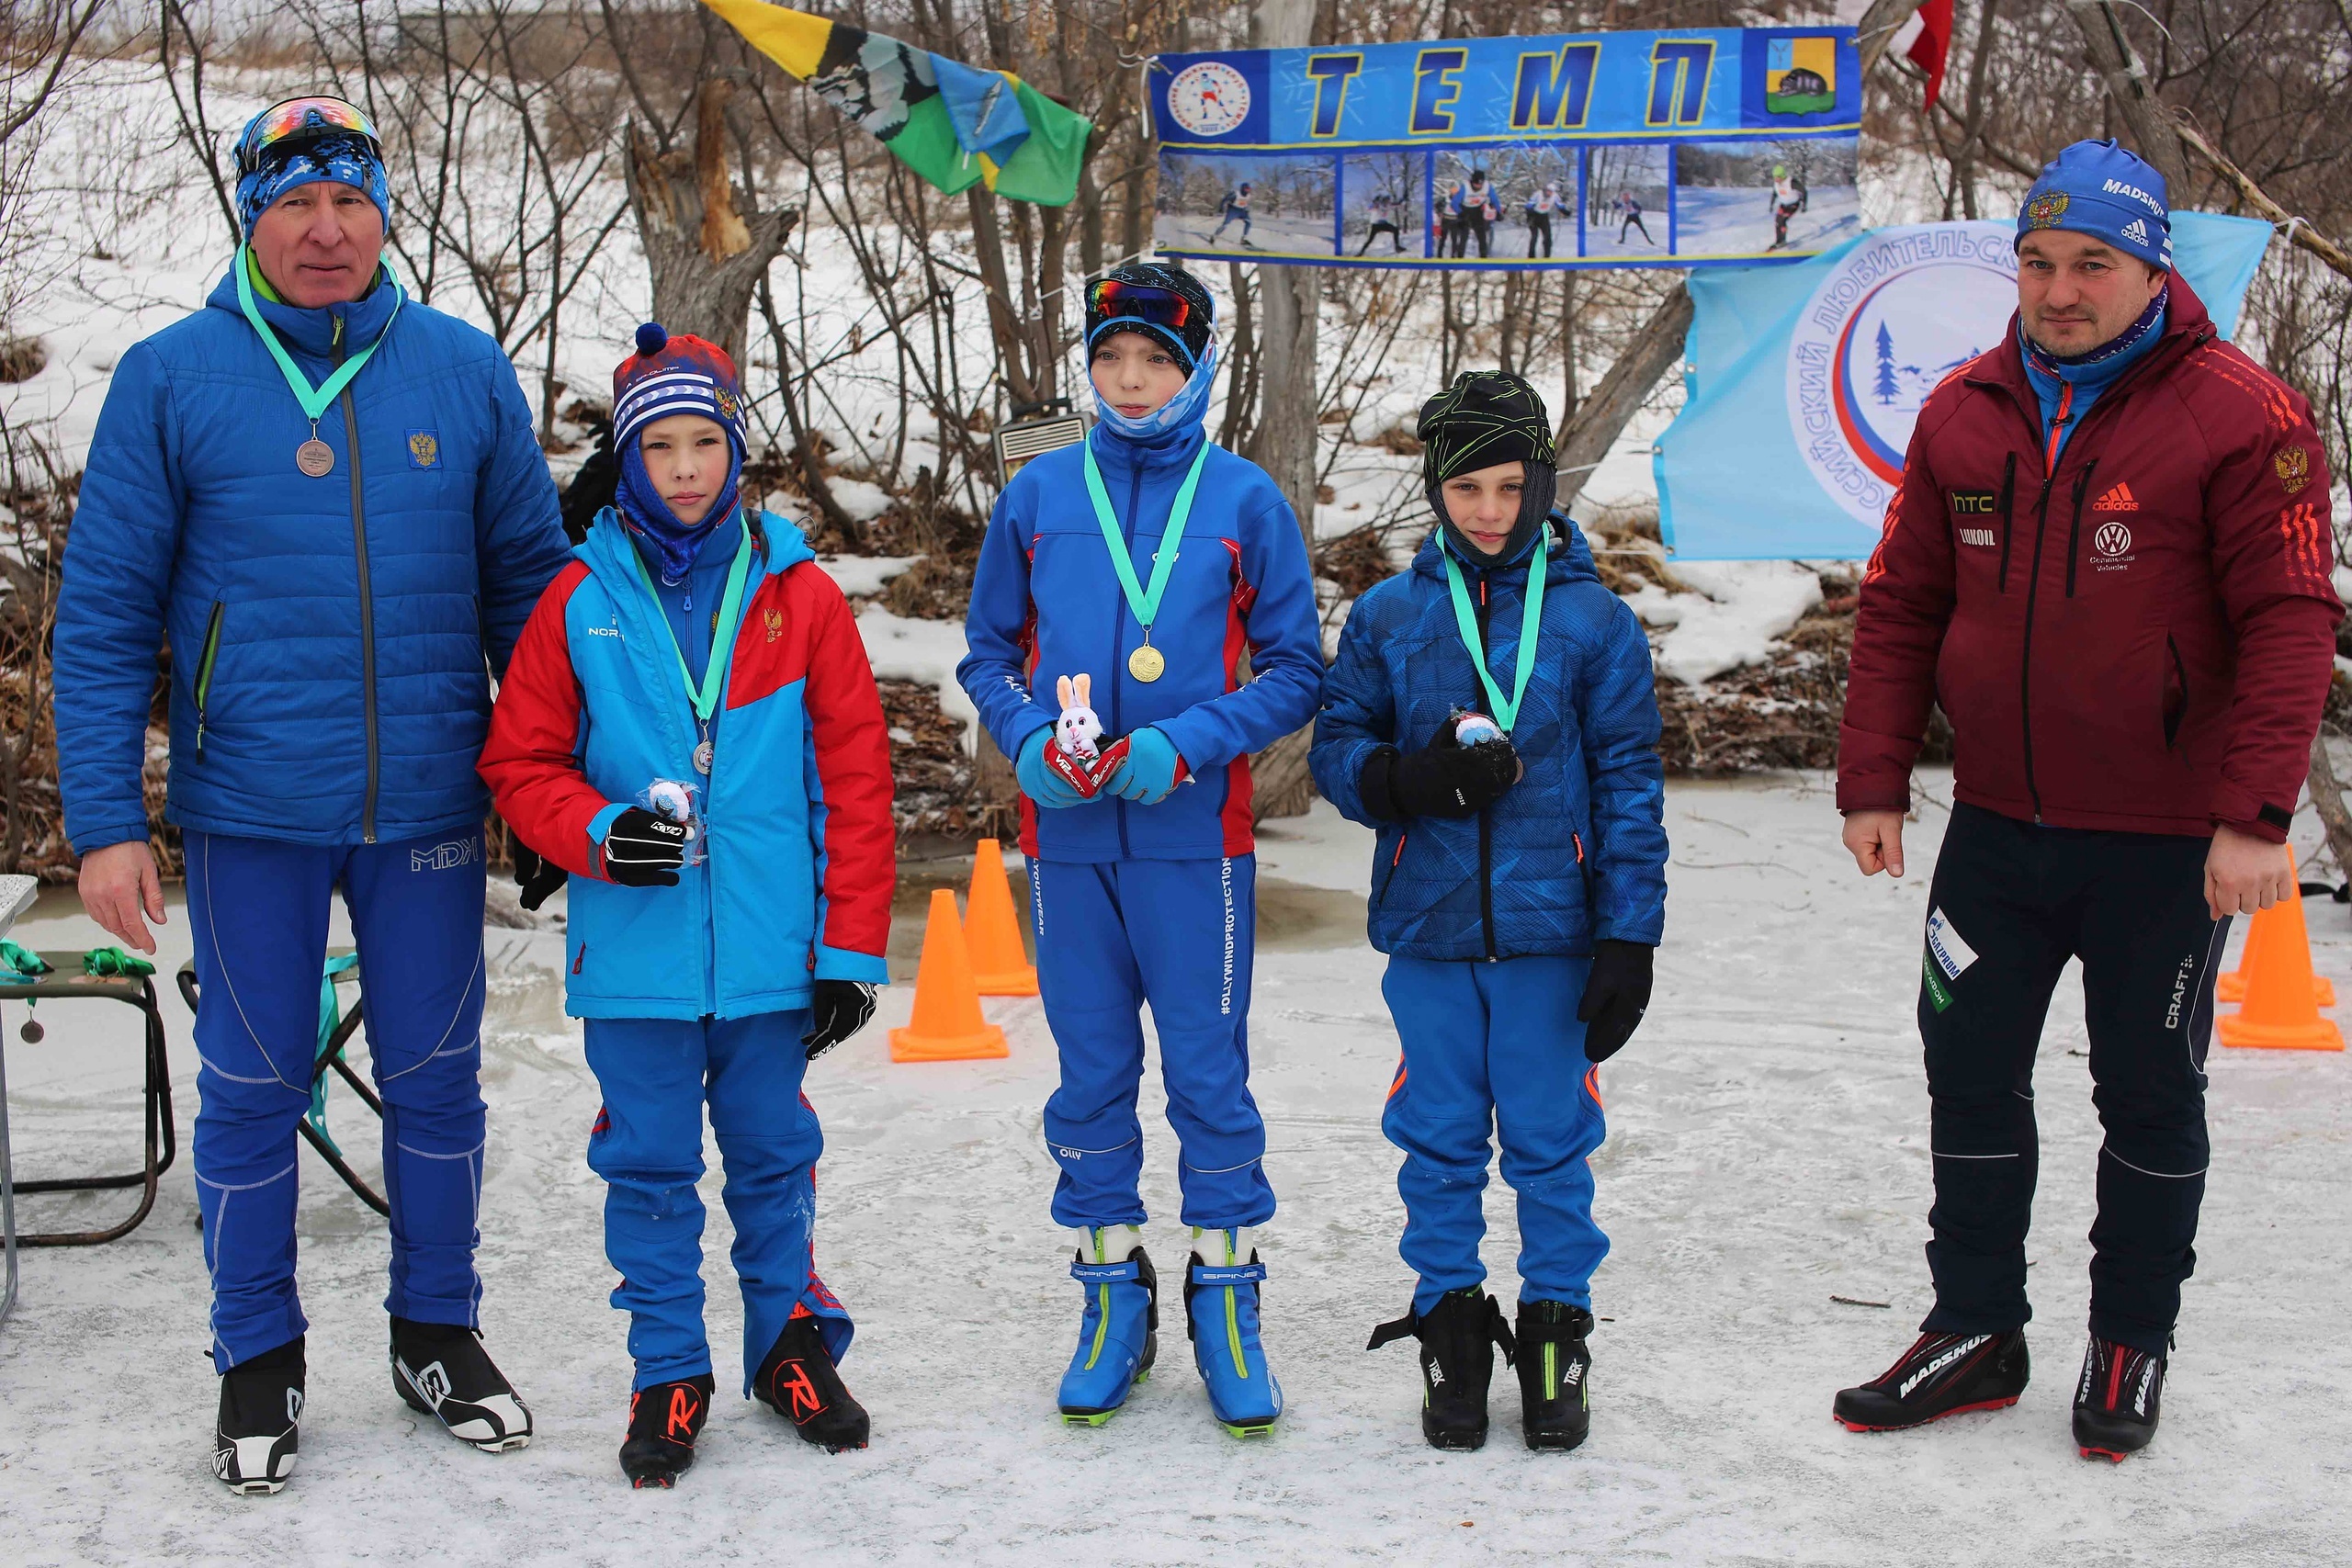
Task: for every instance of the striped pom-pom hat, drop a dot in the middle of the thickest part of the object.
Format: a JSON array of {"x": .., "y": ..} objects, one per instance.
[{"x": 672, "y": 375}]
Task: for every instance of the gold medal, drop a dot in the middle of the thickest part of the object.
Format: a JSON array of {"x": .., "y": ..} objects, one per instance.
[
  {"x": 1147, "y": 663},
  {"x": 314, "y": 457}
]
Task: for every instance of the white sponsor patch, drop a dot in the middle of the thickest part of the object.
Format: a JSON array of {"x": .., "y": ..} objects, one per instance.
[{"x": 1952, "y": 954}]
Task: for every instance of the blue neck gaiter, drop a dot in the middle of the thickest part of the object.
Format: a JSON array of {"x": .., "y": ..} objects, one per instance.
[{"x": 674, "y": 544}]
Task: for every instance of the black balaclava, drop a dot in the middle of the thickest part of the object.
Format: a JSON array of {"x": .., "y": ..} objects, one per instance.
[{"x": 1488, "y": 417}]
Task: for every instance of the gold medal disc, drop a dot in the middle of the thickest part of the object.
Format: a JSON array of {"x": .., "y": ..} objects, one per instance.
[
  {"x": 314, "y": 457},
  {"x": 1145, "y": 663}
]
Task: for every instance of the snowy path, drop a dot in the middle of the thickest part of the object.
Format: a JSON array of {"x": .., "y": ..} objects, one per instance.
[{"x": 1767, "y": 1149}]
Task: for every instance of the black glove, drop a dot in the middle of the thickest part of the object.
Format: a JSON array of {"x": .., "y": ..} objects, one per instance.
[
  {"x": 536, "y": 877},
  {"x": 839, "y": 1009},
  {"x": 1615, "y": 997},
  {"x": 1443, "y": 779},
  {"x": 644, "y": 851}
]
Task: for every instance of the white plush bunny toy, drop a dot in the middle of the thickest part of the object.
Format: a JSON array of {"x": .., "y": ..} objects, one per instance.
[{"x": 1078, "y": 728}]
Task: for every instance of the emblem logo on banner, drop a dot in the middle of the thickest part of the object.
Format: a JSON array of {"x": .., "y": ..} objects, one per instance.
[{"x": 1886, "y": 324}]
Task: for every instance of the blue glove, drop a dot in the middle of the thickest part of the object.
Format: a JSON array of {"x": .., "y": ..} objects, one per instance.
[
  {"x": 1150, "y": 774},
  {"x": 1040, "y": 782}
]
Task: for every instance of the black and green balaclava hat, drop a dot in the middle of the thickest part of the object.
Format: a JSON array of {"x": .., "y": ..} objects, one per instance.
[{"x": 1485, "y": 418}]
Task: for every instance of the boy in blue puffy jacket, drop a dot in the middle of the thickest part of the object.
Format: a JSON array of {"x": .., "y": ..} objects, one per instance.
[
  {"x": 1154, "y": 561},
  {"x": 693, "y": 658},
  {"x": 1491, "y": 715}
]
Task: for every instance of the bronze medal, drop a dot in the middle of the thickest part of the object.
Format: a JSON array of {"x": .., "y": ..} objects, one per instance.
[
  {"x": 1147, "y": 663},
  {"x": 314, "y": 457}
]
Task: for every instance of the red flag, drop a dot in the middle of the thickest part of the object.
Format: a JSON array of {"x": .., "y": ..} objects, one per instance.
[{"x": 1928, "y": 50}]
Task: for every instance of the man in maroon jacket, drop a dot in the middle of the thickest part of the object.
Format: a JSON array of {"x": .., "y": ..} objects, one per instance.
[{"x": 2110, "y": 561}]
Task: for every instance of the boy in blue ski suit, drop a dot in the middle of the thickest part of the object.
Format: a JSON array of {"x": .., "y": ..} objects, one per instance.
[
  {"x": 692, "y": 646},
  {"x": 1518, "y": 888},
  {"x": 1142, "y": 872}
]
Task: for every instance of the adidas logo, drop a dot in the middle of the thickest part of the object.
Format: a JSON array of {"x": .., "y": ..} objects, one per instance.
[
  {"x": 2118, "y": 499},
  {"x": 2136, "y": 232}
]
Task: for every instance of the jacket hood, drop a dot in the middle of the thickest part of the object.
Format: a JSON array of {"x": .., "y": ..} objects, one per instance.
[
  {"x": 311, "y": 333},
  {"x": 1569, "y": 560}
]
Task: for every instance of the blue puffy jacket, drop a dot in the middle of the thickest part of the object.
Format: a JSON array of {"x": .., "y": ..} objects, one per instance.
[
  {"x": 329, "y": 678},
  {"x": 1576, "y": 852},
  {"x": 1047, "y": 603}
]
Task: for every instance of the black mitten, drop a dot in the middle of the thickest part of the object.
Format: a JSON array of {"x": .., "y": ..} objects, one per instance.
[
  {"x": 1443, "y": 779},
  {"x": 1615, "y": 997},
  {"x": 536, "y": 877},
  {"x": 644, "y": 851},
  {"x": 839, "y": 1010}
]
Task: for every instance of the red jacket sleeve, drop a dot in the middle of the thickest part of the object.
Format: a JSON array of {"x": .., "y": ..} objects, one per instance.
[
  {"x": 1906, "y": 602},
  {"x": 851, "y": 825},
  {"x": 2274, "y": 560},
  {"x": 531, "y": 761}
]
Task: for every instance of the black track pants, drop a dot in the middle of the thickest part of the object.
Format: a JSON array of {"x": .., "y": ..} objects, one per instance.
[{"x": 2011, "y": 903}]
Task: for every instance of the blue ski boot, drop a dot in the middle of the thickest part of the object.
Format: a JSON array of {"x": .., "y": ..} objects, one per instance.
[
  {"x": 1119, "y": 1335},
  {"x": 1221, "y": 1315}
]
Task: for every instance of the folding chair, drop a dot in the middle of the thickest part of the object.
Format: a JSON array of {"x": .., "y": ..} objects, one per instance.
[
  {"x": 65, "y": 980},
  {"x": 335, "y": 1029}
]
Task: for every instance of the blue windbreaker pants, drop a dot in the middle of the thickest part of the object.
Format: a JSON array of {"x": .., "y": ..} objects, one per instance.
[
  {"x": 657, "y": 1074},
  {"x": 258, "y": 909},
  {"x": 1178, "y": 935},
  {"x": 1489, "y": 1047}
]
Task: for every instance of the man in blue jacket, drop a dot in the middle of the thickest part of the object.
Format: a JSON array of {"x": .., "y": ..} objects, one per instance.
[
  {"x": 327, "y": 497},
  {"x": 1491, "y": 714},
  {"x": 1151, "y": 560}
]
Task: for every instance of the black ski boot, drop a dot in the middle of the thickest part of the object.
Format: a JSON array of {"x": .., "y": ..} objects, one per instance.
[
  {"x": 1458, "y": 1337},
  {"x": 440, "y": 1370},
  {"x": 798, "y": 1381},
  {"x": 259, "y": 1430},
  {"x": 1555, "y": 1401},
  {"x": 664, "y": 1419},
  {"x": 2115, "y": 1404},
  {"x": 1942, "y": 1375}
]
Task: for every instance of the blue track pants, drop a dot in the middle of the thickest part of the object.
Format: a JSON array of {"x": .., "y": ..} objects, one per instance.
[
  {"x": 1494, "y": 1047},
  {"x": 1178, "y": 935},
  {"x": 657, "y": 1074},
  {"x": 258, "y": 909}
]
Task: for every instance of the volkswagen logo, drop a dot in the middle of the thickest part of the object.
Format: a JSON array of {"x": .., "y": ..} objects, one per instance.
[{"x": 2112, "y": 539}]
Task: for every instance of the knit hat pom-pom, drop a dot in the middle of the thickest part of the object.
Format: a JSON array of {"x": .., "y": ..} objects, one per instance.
[{"x": 651, "y": 339}]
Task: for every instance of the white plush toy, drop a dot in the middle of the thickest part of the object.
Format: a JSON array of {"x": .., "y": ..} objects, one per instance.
[{"x": 1078, "y": 728}]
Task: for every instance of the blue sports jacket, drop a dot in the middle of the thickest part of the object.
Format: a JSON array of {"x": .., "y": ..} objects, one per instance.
[
  {"x": 332, "y": 638},
  {"x": 1576, "y": 852},
  {"x": 799, "y": 839},
  {"x": 1047, "y": 603}
]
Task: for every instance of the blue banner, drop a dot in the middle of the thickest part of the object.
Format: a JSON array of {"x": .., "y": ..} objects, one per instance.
[
  {"x": 1634, "y": 149},
  {"x": 1804, "y": 381}
]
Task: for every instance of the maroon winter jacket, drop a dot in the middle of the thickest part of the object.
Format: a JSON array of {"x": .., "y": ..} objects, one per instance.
[{"x": 2139, "y": 641}]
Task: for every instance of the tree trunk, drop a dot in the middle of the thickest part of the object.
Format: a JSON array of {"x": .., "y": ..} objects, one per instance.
[
  {"x": 1602, "y": 416},
  {"x": 705, "y": 254},
  {"x": 2327, "y": 799},
  {"x": 2156, "y": 137}
]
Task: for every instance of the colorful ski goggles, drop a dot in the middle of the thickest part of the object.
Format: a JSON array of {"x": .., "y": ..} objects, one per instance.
[
  {"x": 1115, "y": 300},
  {"x": 289, "y": 126}
]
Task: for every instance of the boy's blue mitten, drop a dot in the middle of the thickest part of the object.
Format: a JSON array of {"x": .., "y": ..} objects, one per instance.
[
  {"x": 1151, "y": 770},
  {"x": 1038, "y": 780}
]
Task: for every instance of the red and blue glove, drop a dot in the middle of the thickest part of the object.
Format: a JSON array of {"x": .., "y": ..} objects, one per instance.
[{"x": 1149, "y": 771}]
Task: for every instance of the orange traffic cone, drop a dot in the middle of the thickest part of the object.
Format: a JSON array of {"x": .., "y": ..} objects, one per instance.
[
  {"x": 992, "y": 931},
  {"x": 948, "y": 1025},
  {"x": 2280, "y": 1011},
  {"x": 2231, "y": 986}
]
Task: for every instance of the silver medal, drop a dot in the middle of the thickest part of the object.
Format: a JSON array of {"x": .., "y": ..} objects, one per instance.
[{"x": 702, "y": 758}]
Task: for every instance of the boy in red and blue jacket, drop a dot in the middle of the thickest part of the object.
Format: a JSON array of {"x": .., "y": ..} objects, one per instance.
[
  {"x": 1142, "y": 878},
  {"x": 693, "y": 659}
]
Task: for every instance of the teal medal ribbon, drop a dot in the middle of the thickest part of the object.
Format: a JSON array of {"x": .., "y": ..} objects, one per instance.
[
  {"x": 703, "y": 698},
  {"x": 1145, "y": 663},
  {"x": 314, "y": 456},
  {"x": 1530, "y": 628}
]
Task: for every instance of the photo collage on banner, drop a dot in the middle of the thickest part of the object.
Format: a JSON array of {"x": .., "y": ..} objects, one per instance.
[{"x": 1631, "y": 149}]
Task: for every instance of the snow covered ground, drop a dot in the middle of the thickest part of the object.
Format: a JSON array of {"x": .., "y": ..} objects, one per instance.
[
  {"x": 1723, "y": 220},
  {"x": 1767, "y": 1149}
]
